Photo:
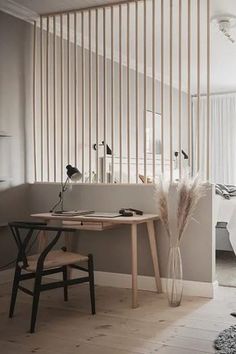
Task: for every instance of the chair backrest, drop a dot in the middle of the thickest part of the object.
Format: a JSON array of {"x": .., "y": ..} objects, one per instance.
[{"x": 30, "y": 228}]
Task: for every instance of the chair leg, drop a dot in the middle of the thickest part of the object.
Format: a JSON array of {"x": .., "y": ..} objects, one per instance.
[
  {"x": 91, "y": 283},
  {"x": 14, "y": 290},
  {"x": 65, "y": 286},
  {"x": 37, "y": 288}
]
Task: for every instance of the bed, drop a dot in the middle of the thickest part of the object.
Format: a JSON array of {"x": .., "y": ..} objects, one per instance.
[{"x": 225, "y": 223}]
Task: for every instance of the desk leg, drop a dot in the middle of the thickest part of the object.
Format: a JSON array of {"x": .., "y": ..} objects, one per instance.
[
  {"x": 42, "y": 241},
  {"x": 153, "y": 247},
  {"x": 134, "y": 266},
  {"x": 68, "y": 244}
]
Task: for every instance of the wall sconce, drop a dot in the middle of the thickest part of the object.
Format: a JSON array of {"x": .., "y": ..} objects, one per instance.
[
  {"x": 108, "y": 149},
  {"x": 183, "y": 153}
]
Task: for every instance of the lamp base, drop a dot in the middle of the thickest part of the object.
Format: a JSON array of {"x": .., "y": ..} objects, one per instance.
[{"x": 60, "y": 212}]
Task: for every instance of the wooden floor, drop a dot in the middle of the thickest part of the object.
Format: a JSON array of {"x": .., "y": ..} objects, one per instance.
[{"x": 66, "y": 328}]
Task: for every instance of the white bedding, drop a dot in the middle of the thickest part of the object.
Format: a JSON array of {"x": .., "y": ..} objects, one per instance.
[
  {"x": 226, "y": 212},
  {"x": 224, "y": 208}
]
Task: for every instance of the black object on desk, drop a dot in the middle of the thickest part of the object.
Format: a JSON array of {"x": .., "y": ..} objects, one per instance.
[{"x": 130, "y": 212}]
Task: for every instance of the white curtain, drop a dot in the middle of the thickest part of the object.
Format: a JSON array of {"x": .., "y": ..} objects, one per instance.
[{"x": 222, "y": 139}]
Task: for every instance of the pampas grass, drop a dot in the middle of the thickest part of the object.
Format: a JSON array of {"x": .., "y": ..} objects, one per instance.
[
  {"x": 175, "y": 214},
  {"x": 188, "y": 193},
  {"x": 162, "y": 196}
]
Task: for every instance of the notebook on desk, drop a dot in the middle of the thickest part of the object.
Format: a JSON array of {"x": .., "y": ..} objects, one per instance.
[
  {"x": 74, "y": 213},
  {"x": 102, "y": 215}
]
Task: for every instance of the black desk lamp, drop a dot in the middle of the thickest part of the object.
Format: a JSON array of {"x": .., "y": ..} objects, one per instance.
[{"x": 75, "y": 175}]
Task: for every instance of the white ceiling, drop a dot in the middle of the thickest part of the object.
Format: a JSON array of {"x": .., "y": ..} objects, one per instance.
[
  {"x": 46, "y": 6},
  {"x": 223, "y": 53}
]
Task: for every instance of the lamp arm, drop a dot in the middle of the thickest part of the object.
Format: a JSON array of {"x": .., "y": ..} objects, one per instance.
[
  {"x": 63, "y": 186},
  {"x": 63, "y": 189},
  {"x": 57, "y": 203}
]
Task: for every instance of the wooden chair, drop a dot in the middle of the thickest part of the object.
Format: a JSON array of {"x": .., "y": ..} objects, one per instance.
[{"x": 48, "y": 262}]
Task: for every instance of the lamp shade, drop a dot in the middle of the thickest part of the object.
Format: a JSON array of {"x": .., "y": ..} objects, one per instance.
[
  {"x": 73, "y": 173},
  {"x": 185, "y": 155}
]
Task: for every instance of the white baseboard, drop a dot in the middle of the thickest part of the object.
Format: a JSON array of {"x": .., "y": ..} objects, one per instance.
[
  {"x": 118, "y": 280},
  {"x": 191, "y": 288}
]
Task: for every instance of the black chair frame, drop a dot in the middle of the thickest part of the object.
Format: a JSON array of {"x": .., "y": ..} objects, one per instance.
[{"x": 40, "y": 271}]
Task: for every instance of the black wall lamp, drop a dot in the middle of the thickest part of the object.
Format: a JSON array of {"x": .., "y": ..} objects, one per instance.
[
  {"x": 183, "y": 153},
  {"x": 108, "y": 149}
]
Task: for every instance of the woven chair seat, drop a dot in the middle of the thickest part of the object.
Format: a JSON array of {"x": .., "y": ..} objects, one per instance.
[{"x": 55, "y": 259}]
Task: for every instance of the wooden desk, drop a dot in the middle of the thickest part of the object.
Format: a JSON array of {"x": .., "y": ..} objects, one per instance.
[{"x": 99, "y": 224}]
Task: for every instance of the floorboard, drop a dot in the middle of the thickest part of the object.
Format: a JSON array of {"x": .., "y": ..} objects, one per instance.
[{"x": 154, "y": 327}]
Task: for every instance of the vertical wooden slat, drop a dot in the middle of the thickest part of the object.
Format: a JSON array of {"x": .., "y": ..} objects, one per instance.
[
  {"x": 82, "y": 92},
  {"x": 47, "y": 90},
  {"x": 47, "y": 101},
  {"x": 68, "y": 88},
  {"x": 54, "y": 100},
  {"x": 137, "y": 88},
  {"x": 180, "y": 89},
  {"x": 97, "y": 100},
  {"x": 128, "y": 90},
  {"x": 208, "y": 92},
  {"x": 189, "y": 85},
  {"x": 75, "y": 89},
  {"x": 145, "y": 90},
  {"x": 153, "y": 89},
  {"x": 162, "y": 89},
  {"x": 198, "y": 85},
  {"x": 120, "y": 90},
  {"x": 90, "y": 98},
  {"x": 112, "y": 94},
  {"x": 34, "y": 100},
  {"x": 42, "y": 98},
  {"x": 171, "y": 90},
  {"x": 62, "y": 99},
  {"x": 104, "y": 96}
]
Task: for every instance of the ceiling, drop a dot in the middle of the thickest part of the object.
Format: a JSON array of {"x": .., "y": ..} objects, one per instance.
[
  {"x": 46, "y": 6},
  {"x": 223, "y": 53}
]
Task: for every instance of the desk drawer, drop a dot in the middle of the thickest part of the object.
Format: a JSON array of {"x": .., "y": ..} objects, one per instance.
[{"x": 88, "y": 225}]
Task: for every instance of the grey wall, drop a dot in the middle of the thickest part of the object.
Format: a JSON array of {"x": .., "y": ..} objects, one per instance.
[
  {"x": 111, "y": 249},
  {"x": 15, "y": 73},
  {"x": 15, "y": 77}
]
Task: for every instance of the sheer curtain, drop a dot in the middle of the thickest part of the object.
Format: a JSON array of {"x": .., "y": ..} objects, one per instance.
[{"x": 223, "y": 138}]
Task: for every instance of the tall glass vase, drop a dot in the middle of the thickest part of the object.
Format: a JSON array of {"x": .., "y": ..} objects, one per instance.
[{"x": 174, "y": 276}]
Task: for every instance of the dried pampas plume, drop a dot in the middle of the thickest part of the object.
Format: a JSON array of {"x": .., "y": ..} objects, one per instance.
[
  {"x": 161, "y": 196},
  {"x": 188, "y": 193}
]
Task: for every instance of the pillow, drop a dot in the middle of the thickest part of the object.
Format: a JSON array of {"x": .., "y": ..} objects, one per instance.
[{"x": 222, "y": 190}]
